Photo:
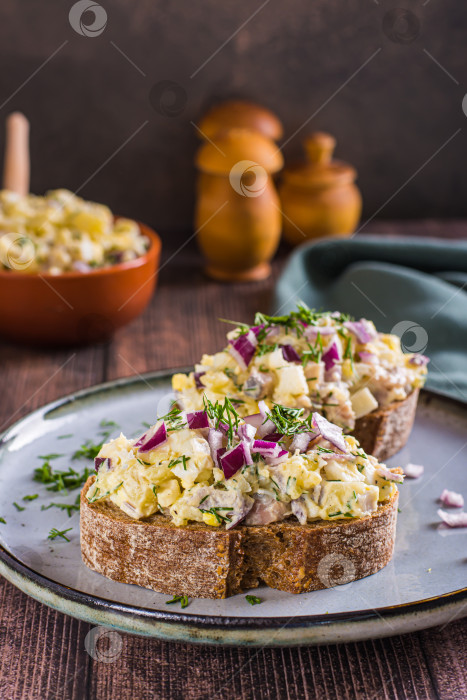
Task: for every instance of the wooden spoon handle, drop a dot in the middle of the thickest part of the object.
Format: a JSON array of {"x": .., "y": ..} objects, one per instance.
[{"x": 16, "y": 167}]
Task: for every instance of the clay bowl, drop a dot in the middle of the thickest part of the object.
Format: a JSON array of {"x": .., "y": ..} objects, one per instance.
[{"x": 76, "y": 308}]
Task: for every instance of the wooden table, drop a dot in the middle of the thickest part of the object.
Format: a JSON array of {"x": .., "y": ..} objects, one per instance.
[{"x": 42, "y": 652}]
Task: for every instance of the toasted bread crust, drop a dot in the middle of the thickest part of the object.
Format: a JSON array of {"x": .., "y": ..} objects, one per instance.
[
  {"x": 384, "y": 432},
  {"x": 208, "y": 562}
]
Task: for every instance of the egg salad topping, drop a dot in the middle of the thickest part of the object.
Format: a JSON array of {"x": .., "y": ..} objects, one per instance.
[
  {"x": 63, "y": 233},
  {"x": 213, "y": 467},
  {"x": 323, "y": 362}
]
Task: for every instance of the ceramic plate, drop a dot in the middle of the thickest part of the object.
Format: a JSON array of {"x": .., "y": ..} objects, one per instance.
[{"x": 424, "y": 585}]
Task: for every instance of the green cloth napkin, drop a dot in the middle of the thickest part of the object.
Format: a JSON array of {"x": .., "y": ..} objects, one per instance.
[{"x": 414, "y": 287}]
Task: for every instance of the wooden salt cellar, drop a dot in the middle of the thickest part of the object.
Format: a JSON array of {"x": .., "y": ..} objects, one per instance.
[{"x": 319, "y": 197}]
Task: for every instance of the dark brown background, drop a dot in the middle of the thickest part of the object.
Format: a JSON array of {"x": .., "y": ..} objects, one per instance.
[{"x": 89, "y": 99}]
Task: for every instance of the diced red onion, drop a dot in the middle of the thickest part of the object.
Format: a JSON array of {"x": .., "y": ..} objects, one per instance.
[
  {"x": 243, "y": 348},
  {"x": 451, "y": 499},
  {"x": 290, "y": 354},
  {"x": 154, "y": 437},
  {"x": 267, "y": 426},
  {"x": 273, "y": 437},
  {"x": 275, "y": 461},
  {"x": 413, "y": 471},
  {"x": 197, "y": 377},
  {"x": 334, "y": 374},
  {"x": 216, "y": 442},
  {"x": 419, "y": 360},
  {"x": 234, "y": 459},
  {"x": 301, "y": 441},
  {"x": 246, "y": 432},
  {"x": 240, "y": 515},
  {"x": 453, "y": 519},
  {"x": 387, "y": 474},
  {"x": 331, "y": 355},
  {"x": 272, "y": 332},
  {"x": 257, "y": 329},
  {"x": 362, "y": 330},
  {"x": 330, "y": 432},
  {"x": 255, "y": 419},
  {"x": 103, "y": 463},
  {"x": 368, "y": 358},
  {"x": 130, "y": 507},
  {"x": 311, "y": 332},
  {"x": 299, "y": 510},
  {"x": 265, "y": 448},
  {"x": 197, "y": 420}
]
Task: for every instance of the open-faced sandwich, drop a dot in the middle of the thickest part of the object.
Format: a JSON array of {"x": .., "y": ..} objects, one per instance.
[
  {"x": 356, "y": 377},
  {"x": 208, "y": 504}
]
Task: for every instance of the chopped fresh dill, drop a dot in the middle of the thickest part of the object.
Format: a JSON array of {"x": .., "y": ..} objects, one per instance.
[
  {"x": 60, "y": 480},
  {"x": 223, "y": 414},
  {"x": 88, "y": 450},
  {"x": 58, "y": 533},
  {"x": 219, "y": 516},
  {"x": 47, "y": 458},
  {"x": 31, "y": 498},
  {"x": 70, "y": 508},
  {"x": 64, "y": 437},
  {"x": 182, "y": 599},
  {"x": 2, "y": 520},
  {"x": 253, "y": 599},
  {"x": 18, "y": 508}
]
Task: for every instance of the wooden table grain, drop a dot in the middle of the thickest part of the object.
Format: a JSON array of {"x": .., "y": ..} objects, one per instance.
[{"x": 42, "y": 652}]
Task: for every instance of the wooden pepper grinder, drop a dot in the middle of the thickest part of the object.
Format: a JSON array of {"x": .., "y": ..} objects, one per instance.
[
  {"x": 238, "y": 215},
  {"x": 16, "y": 166},
  {"x": 319, "y": 197}
]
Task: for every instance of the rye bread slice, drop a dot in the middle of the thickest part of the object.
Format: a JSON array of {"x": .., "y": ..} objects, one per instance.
[
  {"x": 208, "y": 562},
  {"x": 385, "y": 431}
]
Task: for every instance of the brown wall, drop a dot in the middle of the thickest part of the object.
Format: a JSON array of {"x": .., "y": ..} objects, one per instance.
[{"x": 293, "y": 56}]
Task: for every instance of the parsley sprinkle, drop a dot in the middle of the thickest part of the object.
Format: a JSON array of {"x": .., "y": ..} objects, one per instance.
[
  {"x": 19, "y": 508},
  {"x": 47, "y": 458},
  {"x": 253, "y": 599},
  {"x": 108, "y": 424},
  {"x": 60, "y": 480},
  {"x": 31, "y": 498},
  {"x": 69, "y": 507},
  {"x": 2, "y": 520},
  {"x": 58, "y": 533},
  {"x": 182, "y": 599},
  {"x": 88, "y": 450}
]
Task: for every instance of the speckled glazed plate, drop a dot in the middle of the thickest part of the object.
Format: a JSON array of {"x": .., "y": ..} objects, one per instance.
[{"x": 424, "y": 585}]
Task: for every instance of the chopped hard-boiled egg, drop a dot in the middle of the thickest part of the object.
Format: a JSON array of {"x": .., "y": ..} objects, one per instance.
[
  {"x": 230, "y": 471},
  {"x": 321, "y": 362}
]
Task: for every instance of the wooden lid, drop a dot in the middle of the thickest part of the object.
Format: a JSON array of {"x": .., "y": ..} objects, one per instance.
[
  {"x": 232, "y": 147},
  {"x": 240, "y": 114},
  {"x": 320, "y": 170}
]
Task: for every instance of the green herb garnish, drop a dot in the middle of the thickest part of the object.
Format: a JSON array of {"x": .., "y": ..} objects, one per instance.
[
  {"x": 253, "y": 599},
  {"x": 58, "y": 533},
  {"x": 69, "y": 507},
  {"x": 60, "y": 480},
  {"x": 31, "y": 498},
  {"x": 63, "y": 437},
  {"x": 182, "y": 599},
  {"x": 2, "y": 520},
  {"x": 19, "y": 508},
  {"x": 47, "y": 458},
  {"x": 223, "y": 414},
  {"x": 219, "y": 516}
]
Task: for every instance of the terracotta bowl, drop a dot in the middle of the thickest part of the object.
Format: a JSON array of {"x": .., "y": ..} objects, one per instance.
[{"x": 76, "y": 308}]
